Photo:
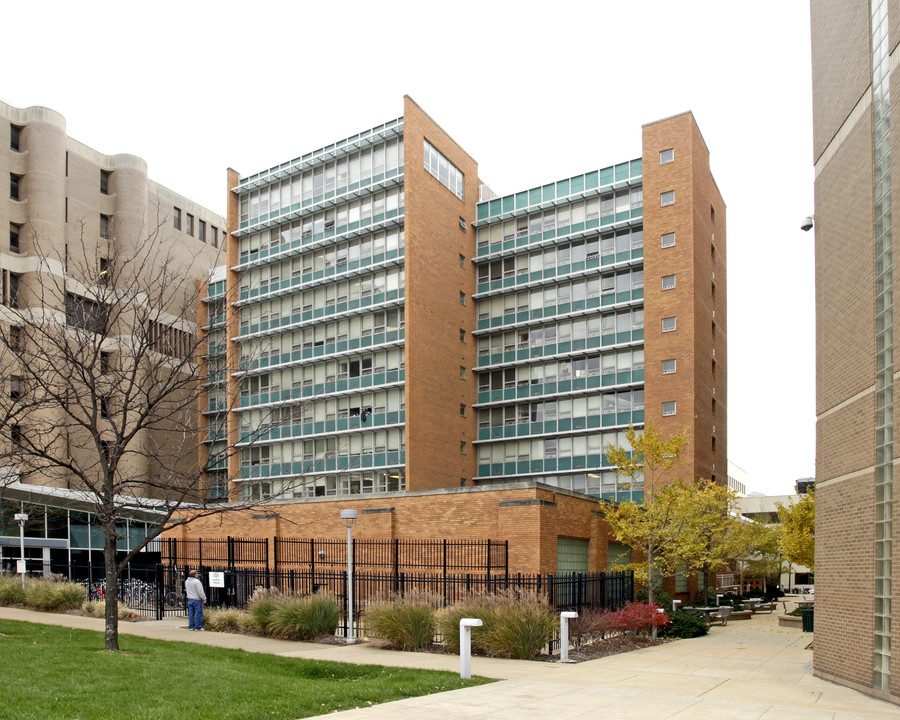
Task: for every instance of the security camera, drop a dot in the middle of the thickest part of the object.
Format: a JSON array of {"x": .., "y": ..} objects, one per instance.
[
  {"x": 807, "y": 224},
  {"x": 321, "y": 553}
]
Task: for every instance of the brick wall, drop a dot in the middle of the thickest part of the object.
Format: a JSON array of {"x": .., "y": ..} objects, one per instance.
[
  {"x": 434, "y": 316},
  {"x": 697, "y": 215},
  {"x": 530, "y": 516}
]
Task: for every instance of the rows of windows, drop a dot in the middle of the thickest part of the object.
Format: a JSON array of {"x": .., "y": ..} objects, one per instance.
[
  {"x": 370, "y": 287},
  {"x": 623, "y": 401},
  {"x": 187, "y": 225},
  {"x": 624, "y": 360},
  {"x": 343, "y": 368},
  {"x": 373, "y": 481},
  {"x": 362, "y": 405},
  {"x": 370, "y": 209},
  {"x": 314, "y": 453},
  {"x": 323, "y": 334},
  {"x": 552, "y": 296},
  {"x": 168, "y": 340},
  {"x": 445, "y": 171},
  {"x": 510, "y": 451},
  {"x": 563, "y": 256},
  {"x": 310, "y": 375},
  {"x": 336, "y": 258},
  {"x": 336, "y": 177},
  {"x": 613, "y": 323},
  {"x": 573, "y": 217}
]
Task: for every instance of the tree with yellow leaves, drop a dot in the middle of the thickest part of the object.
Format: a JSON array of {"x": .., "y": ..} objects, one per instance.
[
  {"x": 656, "y": 524},
  {"x": 798, "y": 530}
]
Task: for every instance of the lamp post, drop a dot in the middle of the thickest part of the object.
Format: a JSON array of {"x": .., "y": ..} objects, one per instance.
[
  {"x": 348, "y": 517},
  {"x": 21, "y": 518}
]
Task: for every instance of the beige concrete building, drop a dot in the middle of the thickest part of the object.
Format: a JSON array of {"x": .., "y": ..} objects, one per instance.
[
  {"x": 80, "y": 231},
  {"x": 854, "y": 61}
]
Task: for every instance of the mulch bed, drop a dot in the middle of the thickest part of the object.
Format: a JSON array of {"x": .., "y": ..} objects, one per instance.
[
  {"x": 602, "y": 648},
  {"x": 610, "y": 646}
]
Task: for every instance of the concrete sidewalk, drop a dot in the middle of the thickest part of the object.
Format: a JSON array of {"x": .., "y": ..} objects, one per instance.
[{"x": 746, "y": 671}]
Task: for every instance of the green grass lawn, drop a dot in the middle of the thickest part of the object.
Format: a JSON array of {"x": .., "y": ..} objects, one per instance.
[{"x": 53, "y": 672}]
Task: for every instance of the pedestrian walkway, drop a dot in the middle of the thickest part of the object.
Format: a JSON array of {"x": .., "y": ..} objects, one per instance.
[{"x": 750, "y": 670}]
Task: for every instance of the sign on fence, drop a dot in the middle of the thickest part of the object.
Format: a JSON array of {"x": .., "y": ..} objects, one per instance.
[{"x": 217, "y": 579}]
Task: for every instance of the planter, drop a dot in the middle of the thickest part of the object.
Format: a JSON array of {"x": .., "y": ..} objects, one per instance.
[
  {"x": 740, "y": 615},
  {"x": 790, "y": 621}
]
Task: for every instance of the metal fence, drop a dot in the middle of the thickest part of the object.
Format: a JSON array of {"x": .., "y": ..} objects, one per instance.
[
  {"x": 573, "y": 591},
  {"x": 230, "y": 552},
  {"x": 490, "y": 557}
]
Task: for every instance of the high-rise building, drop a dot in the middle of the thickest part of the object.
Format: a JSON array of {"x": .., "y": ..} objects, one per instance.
[
  {"x": 853, "y": 54},
  {"x": 597, "y": 299},
  {"x": 69, "y": 214},
  {"x": 399, "y": 327}
]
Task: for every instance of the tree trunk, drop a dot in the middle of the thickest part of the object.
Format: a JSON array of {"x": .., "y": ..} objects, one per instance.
[
  {"x": 650, "y": 582},
  {"x": 112, "y": 590}
]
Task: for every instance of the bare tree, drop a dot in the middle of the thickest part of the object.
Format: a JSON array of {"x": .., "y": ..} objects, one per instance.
[
  {"x": 100, "y": 348},
  {"x": 107, "y": 365}
]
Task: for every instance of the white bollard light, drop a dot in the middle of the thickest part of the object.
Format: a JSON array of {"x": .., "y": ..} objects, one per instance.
[
  {"x": 719, "y": 599},
  {"x": 675, "y": 604},
  {"x": 465, "y": 646},
  {"x": 564, "y": 618}
]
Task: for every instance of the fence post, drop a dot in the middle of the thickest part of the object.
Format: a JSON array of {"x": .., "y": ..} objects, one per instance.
[
  {"x": 488, "y": 563},
  {"x": 402, "y": 584},
  {"x": 396, "y": 556},
  {"x": 160, "y": 593},
  {"x": 506, "y": 558},
  {"x": 267, "y": 555}
]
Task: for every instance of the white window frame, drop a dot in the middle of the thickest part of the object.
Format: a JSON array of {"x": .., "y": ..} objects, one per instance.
[
  {"x": 669, "y": 367},
  {"x": 666, "y": 156},
  {"x": 667, "y": 240},
  {"x": 669, "y": 408},
  {"x": 674, "y": 324},
  {"x": 668, "y": 282},
  {"x": 667, "y": 198}
]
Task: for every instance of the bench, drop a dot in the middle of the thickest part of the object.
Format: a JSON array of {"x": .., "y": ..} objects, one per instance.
[
  {"x": 767, "y": 607},
  {"x": 720, "y": 616}
]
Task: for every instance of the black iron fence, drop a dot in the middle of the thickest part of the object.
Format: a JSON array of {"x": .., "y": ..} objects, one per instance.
[
  {"x": 230, "y": 552},
  {"x": 573, "y": 591},
  {"x": 490, "y": 557}
]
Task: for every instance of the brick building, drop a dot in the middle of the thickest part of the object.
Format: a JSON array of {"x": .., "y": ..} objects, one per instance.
[
  {"x": 854, "y": 46},
  {"x": 398, "y": 328}
]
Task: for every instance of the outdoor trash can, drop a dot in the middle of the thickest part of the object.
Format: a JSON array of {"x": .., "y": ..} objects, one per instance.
[{"x": 807, "y": 615}]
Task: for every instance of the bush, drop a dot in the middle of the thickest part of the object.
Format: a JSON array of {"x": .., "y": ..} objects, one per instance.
[
  {"x": 305, "y": 618},
  {"x": 227, "y": 619},
  {"x": 11, "y": 591},
  {"x": 638, "y": 618},
  {"x": 591, "y": 625},
  {"x": 660, "y": 597},
  {"x": 98, "y": 610},
  {"x": 516, "y": 624},
  {"x": 262, "y": 606},
  {"x": 406, "y": 623},
  {"x": 54, "y": 596},
  {"x": 685, "y": 625}
]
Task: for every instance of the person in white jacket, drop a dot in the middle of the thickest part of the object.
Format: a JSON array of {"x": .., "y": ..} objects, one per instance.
[{"x": 193, "y": 588}]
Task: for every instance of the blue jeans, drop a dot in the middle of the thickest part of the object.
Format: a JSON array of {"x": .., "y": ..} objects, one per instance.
[{"x": 195, "y": 614}]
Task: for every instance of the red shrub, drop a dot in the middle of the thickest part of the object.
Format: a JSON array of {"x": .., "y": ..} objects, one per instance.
[{"x": 639, "y": 617}]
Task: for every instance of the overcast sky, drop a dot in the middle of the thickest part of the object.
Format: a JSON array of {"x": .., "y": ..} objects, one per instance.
[{"x": 533, "y": 91}]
